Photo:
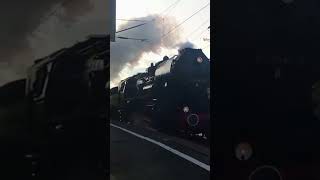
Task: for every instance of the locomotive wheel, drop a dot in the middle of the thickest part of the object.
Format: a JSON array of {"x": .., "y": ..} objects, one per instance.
[
  {"x": 114, "y": 114},
  {"x": 126, "y": 116},
  {"x": 156, "y": 120},
  {"x": 123, "y": 116}
]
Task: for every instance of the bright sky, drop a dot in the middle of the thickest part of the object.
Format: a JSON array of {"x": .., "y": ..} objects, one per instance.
[{"x": 193, "y": 30}]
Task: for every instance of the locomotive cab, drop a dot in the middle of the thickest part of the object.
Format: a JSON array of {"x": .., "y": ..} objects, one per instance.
[{"x": 65, "y": 90}]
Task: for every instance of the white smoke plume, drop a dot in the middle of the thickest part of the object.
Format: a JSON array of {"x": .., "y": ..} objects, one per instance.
[
  {"x": 129, "y": 52},
  {"x": 20, "y": 22},
  {"x": 186, "y": 44}
]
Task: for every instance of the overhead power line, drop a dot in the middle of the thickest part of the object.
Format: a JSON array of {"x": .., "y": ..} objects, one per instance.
[
  {"x": 170, "y": 8},
  {"x": 205, "y": 30},
  {"x": 53, "y": 12},
  {"x": 173, "y": 4},
  {"x": 198, "y": 28},
  {"x": 174, "y": 28},
  {"x": 131, "y": 27},
  {"x": 177, "y": 26},
  {"x": 121, "y": 37},
  {"x": 133, "y": 20},
  {"x": 137, "y": 20}
]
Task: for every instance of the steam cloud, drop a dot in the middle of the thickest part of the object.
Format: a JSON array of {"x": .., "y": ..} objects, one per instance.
[
  {"x": 19, "y": 23},
  {"x": 185, "y": 45},
  {"x": 75, "y": 9},
  {"x": 129, "y": 52}
]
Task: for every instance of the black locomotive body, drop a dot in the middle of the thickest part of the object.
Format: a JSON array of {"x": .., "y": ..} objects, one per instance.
[
  {"x": 66, "y": 98},
  {"x": 14, "y": 136},
  {"x": 66, "y": 80},
  {"x": 174, "y": 92}
]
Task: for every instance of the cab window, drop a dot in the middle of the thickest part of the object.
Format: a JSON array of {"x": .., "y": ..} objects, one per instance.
[
  {"x": 122, "y": 85},
  {"x": 38, "y": 85},
  {"x": 114, "y": 90}
]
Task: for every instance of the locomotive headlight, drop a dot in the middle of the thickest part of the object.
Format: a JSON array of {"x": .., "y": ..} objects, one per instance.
[
  {"x": 186, "y": 109},
  {"x": 243, "y": 151},
  {"x": 199, "y": 60}
]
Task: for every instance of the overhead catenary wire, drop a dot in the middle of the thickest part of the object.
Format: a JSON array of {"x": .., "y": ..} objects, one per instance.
[
  {"x": 205, "y": 30},
  {"x": 172, "y": 5},
  {"x": 54, "y": 11},
  {"x": 136, "y": 20},
  {"x": 121, "y": 37},
  {"x": 174, "y": 28},
  {"x": 131, "y": 27},
  {"x": 197, "y": 29},
  {"x": 171, "y": 11}
]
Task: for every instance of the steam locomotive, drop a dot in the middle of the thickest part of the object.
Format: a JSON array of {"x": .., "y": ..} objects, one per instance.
[
  {"x": 173, "y": 92},
  {"x": 65, "y": 90}
]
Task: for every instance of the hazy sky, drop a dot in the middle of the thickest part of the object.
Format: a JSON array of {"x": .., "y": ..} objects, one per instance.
[
  {"x": 56, "y": 33},
  {"x": 36, "y": 28},
  {"x": 29, "y": 34},
  {"x": 194, "y": 30}
]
